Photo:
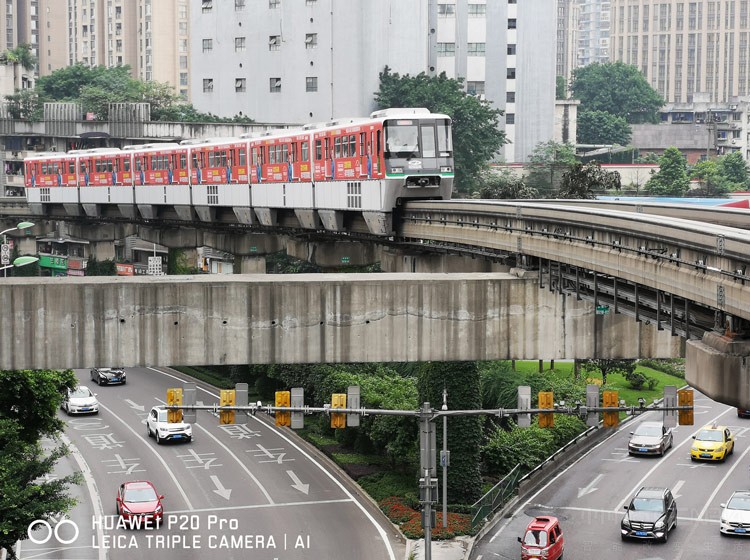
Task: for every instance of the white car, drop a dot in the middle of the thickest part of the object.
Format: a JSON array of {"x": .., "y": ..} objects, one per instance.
[
  {"x": 80, "y": 401},
  {"x": 158, "y": 427},
  {"x": 735, "y": 514}
]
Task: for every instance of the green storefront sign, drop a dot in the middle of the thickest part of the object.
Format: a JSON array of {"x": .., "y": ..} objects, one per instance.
[{"x": 52, "y": 261}]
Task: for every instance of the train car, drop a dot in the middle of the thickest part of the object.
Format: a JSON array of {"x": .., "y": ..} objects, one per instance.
[
  {"x": 50, "y": 178},
  {"x": 336, "y": 175}
]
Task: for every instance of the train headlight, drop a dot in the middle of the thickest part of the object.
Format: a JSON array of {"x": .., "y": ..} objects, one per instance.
[
  {"x": 398, "y": 170},
  {"x": 446, "y": 169}
]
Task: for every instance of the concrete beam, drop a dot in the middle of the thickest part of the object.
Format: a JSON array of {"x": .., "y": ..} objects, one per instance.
[
  {"x": 334, "y": 254},
  {"x": 242, "y": 244},
  {"x": 393, "y": 259},
  {"x": 320, "y": 318},
  {"x": 719, "y": 366}
]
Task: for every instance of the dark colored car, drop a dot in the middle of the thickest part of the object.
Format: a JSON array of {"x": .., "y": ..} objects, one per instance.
[
  {"x": 543, "y": 539},
  {"x": 651, "y": 514},
  {"x": 650, "y": 438},
  {"x": 108, "y": 376},
  {"x": 743, "y": 412},
  {"x": 139, "y": 500}
]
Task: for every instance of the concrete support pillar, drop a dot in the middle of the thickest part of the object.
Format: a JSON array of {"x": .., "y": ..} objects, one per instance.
[
  {"x": 719, "y": 366},
  {"x": 250, "y": 265},
  {"x": 335, "y": 254}
]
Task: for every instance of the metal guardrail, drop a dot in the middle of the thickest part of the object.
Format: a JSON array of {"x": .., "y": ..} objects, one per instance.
[{"x": 496, "y": 497}]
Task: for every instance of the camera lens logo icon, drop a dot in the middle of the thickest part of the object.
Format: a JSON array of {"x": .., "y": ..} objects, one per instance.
[{"x": 61, "y": 531}]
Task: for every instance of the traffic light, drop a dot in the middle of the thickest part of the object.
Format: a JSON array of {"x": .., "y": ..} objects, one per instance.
[
  {"x": 685, "y": 398},
  {"x": 174, "y": 398},
  {"x": 338, "y": 420},
  {"x": 610, "y": 399},
  {"x": 228, "y": 397},
  {"x": 283, "y": 418},
  {"x": 546, "y": 400}
]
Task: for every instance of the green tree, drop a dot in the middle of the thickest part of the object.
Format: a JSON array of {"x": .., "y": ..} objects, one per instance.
[
  {"x": 25, "y": 104},
  {"x": 605, "y": 367},
  {"x": 96, "y": 267},
  {"x": 22, "y": 55},
  {"x": 708, "y": 173},
  {"x": 461, "y": 381},
  {"x": 476, "y": 137},
  {"x": 502, "y": 184},
  {"x": 601, "y": 127},
  {"x": 581, "y": 180},
  {"x": 649, "y": 157},
  {"x": 548, "y": 163},
  {"x": 734, "y": 169},
  {"x": 672, "y": 178},
  {"x": 561, "y": 88},
  {"x": 616, "y": 88}
]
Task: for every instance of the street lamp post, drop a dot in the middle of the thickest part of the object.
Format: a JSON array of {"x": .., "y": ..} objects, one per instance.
[
  {"x": 20, "y": 261},
  {"x": 6, "y": 249}
]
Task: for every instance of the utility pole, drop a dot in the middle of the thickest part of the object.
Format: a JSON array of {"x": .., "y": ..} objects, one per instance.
[
  {"x": 445, "y": 459},
  {"x": 428, "y": 481}
]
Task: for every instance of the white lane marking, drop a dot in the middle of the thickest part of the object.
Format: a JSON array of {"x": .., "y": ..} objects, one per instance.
[
  {"x": 159, "y": 457},
  {"x": 723, "y": 480},
  {"x": 676, "y": 488},
  {"x": 367, "y": 514},
  {"x": 304, "y": 488},
  {"x": 264, "y": 506},
  {"x": 134, "y": 405},
  {"x": 588, "y": 489},
  {"x": 657, "y": 465},
  {"x": 220, "y": 490},
  {"x": 237, "y": 459}
]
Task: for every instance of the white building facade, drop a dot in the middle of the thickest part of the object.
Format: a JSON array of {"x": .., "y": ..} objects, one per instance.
[{"x": 313, "y": 60}]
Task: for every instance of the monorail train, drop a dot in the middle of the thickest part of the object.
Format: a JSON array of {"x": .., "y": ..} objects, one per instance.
[{"x": 341, "y": 175}]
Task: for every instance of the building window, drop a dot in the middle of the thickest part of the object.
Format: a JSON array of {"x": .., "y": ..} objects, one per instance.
[
  {"x": 183, "y": 62},
  {"x": 275, "y": 85},
  {"x": 182, "y": 12},
  {"x": 207, "y": 5},
  {"x": 510, "y": 118},
  {"x": 181, "y": 25},
  {"x": 511, "y": 49},
  {"x": 239, "y": 84},
  {"x": 511, "y": 74},
  {"x": 510, "y": 97},
  {"x": 475, "y": 49},
  {"x": 310, "y": 2},
  {"x": 208, "y": 45},
  {"x": 511, "y": 24},
  {"x": 273, "y": 4},
  {"x": 183, "y": 45},
  {"x": 446, "y": 49},
  {"x": 311, "y": 83},
  {"x": 446, "y": 10},
  {"x": 208, "y": 85},
  {"x": 475, "y": 88},
  {"x": 183, "y": 78},
  {"x": 239, "y": 4},
  {"x": 274, "y": 42},
  {"x": 311, "y": 40},
  {"x": 239, "y": 44},
  {"x": 477, "y": 10}
]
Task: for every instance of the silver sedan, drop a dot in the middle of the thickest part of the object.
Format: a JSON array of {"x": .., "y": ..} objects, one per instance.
[{"x": 650, "y": 438}]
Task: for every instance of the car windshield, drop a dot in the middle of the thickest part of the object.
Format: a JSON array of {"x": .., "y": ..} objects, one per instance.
[
  {"x": 535, "y": 538},
  {"x": 647, "y": 504},
  {"x": 646, "y": 430},
  {"x": 135, "y": 495},
  {"x": 710, "y": 435},
  {"x": 739, "y": 502},
  {"x": 80, "y": 393}
]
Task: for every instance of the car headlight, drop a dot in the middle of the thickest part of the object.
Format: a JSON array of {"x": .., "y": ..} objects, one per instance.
[
  {"x": 397, "y": 170},
  {"x": 659, "y": 524},
  {"x": 724, "y": 521},
  {"x": 158, "y": 509},
  {"x": 125, "y": 509},
  {"x": 626, "y": 523},
  {"x": 162, "y": 429},
  {"x": 446, "y": 169}
]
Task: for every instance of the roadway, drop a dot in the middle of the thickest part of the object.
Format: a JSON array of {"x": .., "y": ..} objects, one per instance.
[
  {"x": 247, "y": 490},
  {"x": 589, "y": 497}
]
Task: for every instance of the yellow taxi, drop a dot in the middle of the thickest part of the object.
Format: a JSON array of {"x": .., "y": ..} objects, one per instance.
[{"x": 712, "y": 443}]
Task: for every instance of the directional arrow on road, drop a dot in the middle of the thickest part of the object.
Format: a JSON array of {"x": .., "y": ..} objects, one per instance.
[
  {"x": 220, "y": 490},
  {"x": 676, "y": 489},
  {"x": 304, "y": 488},
  {"x": 135, "y": 405},
  {"x": 590, "y": 488}
]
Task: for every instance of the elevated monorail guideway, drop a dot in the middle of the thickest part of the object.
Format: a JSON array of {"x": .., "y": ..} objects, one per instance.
[{"x": 690, "y": 269}]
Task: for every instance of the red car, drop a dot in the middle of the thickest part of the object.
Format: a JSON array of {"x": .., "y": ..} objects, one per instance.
[
  {"x": 139, "y": 502},
  {"x": 543, "y": 540}
]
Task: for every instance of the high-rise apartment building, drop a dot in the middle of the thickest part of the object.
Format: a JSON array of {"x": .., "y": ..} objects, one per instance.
[
  {"x": 567, "y": 38},
  {"x": 593, "y": 31},
  {"x": 684, "y": 48},
  {"x": 297, "y": 62},
  {"x": 150, "y": 36}
]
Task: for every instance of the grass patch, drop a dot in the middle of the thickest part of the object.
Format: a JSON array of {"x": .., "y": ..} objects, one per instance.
[
  {"x": 206, "y": 375},
  {"x": 358, "y": 459},
  {"x": 318, "y": 440},
  {"x": 385, "y": 484}
]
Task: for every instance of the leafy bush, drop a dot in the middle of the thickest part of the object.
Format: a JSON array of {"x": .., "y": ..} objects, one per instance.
[
  {"x": 636, "y": 379},
  {"x": 675, "y": 368},
  {"x": 525, "y": 446}
]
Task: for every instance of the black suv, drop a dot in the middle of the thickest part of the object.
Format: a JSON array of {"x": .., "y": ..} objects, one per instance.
[{"x": 652, "y": 513}]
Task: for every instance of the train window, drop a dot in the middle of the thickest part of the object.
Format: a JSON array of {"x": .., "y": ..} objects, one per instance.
[
  {"x": 352, "y": 146},
  {"x": 305, "y": 151},
  {"x": 126, "y": 164},
  {"x": 44, "y": 169},
  {"x": 402, "y": 138},
  {"x": 318, "y": 150},
  {"x": 223, "y": 157},
  {"x": 284, "y": 153},
  {"x": 445, "y": 145},
  {"x": 183, "y": 161},
  {"x": 337, "y": 147},
  {"x": 271, "y": 154},
  {"x": 362, "y": 141},
  {"x": 71, "y": 167},
  {"x": 243, "y": 157},
  {"x": 428, "y": 140}
]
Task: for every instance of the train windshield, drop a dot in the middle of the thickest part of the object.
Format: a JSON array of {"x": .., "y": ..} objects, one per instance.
[{"x": 407, "y": 138}]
